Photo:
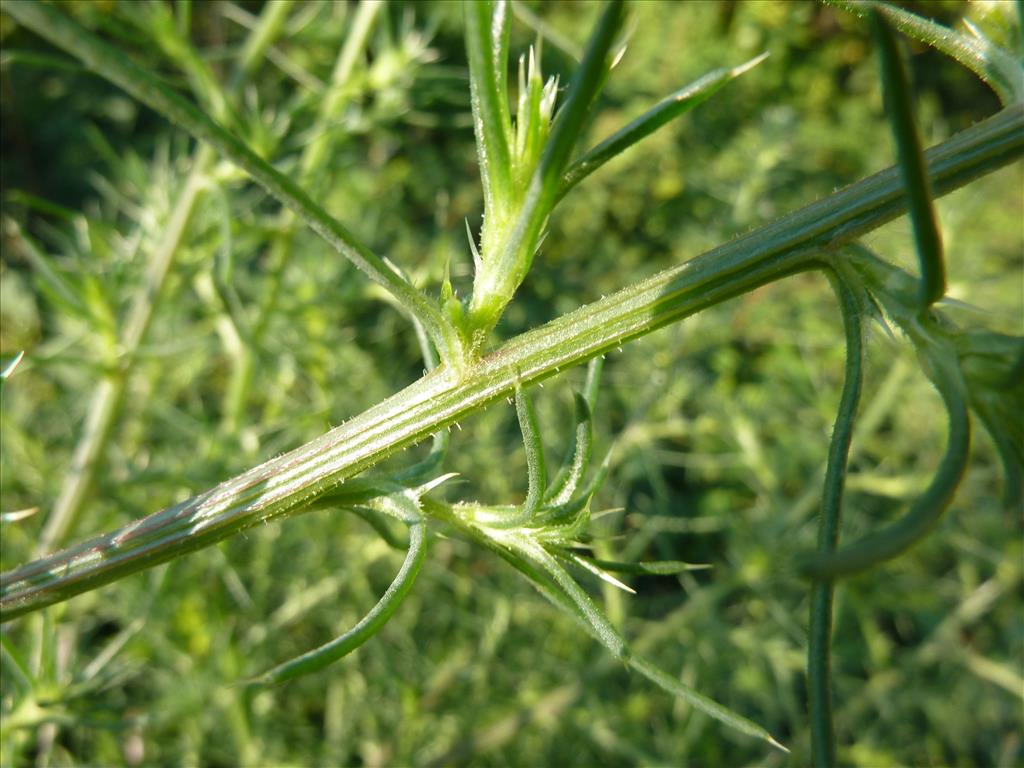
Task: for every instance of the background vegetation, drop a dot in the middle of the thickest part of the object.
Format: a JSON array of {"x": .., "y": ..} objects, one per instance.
[{"x": 719, "y": 425}]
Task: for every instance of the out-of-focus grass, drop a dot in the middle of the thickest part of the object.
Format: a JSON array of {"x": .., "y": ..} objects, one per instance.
[{"x": 719, "y": 425}]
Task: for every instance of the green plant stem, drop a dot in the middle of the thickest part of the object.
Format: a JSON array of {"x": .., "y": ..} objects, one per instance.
[
  {"x": 899, "y": 105},
  {"x": 311, "y": 165},
  {"x": 501, "y": 273},
  {"x": 819, "y": 649},
  {"x": 367, "y": 627},
  {"x": 48, "y": 22},
  {"x": 314, "y": 157},
  {"x": 926, "y": 511},
  {"x": 487, "y": 52},
  {"x": 288, "y": 483},
  {"x": 268, "y": 28}
]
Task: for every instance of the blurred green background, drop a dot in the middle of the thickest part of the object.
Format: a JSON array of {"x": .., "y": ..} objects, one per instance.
[{"x": 719, "y": 425}]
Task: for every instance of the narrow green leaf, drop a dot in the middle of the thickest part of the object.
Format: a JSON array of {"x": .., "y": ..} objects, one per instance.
[
  {"x": 11, "y": 56},
  {"x": 59, "y": 288},
  {"x": 701, "y": 702},
  {"x": 913, "y": 168},
  {"x": 572, "y": 509},
  {"x": 583, "y": 90},
  {"x": 501, "y": 28},
  {"x": 378, "y": 616},
  {"x": 583, "y": 444},
  {"x": 8, "y": 369},
  {"x": 993, "y": 367},
  {"x": 593, "y": 381},
  {"x": 666, "y": 110},
  {"x": 651, "y": 568},
  {"x": 585, "y": 606},
  {"x": 588, "y": 565}
]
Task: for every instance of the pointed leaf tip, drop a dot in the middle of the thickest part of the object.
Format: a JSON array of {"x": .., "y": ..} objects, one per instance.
[{"x": 749, "y": 65}]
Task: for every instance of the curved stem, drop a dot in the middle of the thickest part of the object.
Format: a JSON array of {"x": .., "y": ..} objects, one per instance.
[
  {"x": 370, "y": 624},
  {"x": 926, "y": 511},
  {"x": 285, "y": 485},
  {"x": 819, "y": 650}
]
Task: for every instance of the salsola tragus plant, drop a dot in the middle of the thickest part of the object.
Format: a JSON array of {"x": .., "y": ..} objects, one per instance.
[{"x": 529, "y": 144}]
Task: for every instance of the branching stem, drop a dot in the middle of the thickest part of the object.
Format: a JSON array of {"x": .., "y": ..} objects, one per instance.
[{"x": 287, "y": 484}]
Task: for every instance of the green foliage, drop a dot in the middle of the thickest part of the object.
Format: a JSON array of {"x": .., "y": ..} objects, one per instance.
[{"x": 180, "y": 326}]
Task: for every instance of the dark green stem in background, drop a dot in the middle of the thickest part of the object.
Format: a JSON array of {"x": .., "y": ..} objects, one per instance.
[
  {"x": 819, "y": 650},
  {"x": 926, "y": 511},
  {"x": 287, "y": 484},
  {"x": 899, "y": 104}
]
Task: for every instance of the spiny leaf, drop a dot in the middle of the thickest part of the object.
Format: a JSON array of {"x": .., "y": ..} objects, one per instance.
[
  {"x": 577, "y": 463},
  {"x": 993, "y": 367},
  {"x": 585, "y": 607},
  {"x": 559, "y": 587},
  {"x": 588, "y": 565},
  {"x": 573, "y": 511},
  {"x": 8, "y": 370}
]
